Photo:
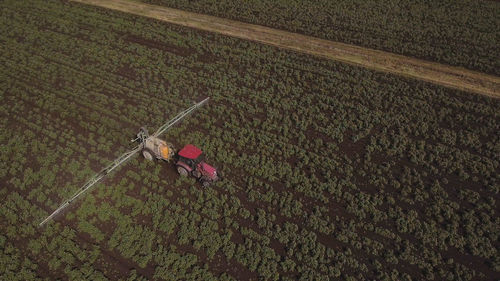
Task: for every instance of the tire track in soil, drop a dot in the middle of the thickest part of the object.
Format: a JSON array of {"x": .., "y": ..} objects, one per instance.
[
  {"x": 125, "y": 264},
  {"x": 44, "y": 266},
  {"x": 111, "y": 255},
  {"x": 237, "y": 271},
  {"x": 322, "y": 238},
  {"x": 444, "y": 75}
]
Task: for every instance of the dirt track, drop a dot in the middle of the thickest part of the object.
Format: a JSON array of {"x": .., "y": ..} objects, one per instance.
[{"x": 444, "y": 75}]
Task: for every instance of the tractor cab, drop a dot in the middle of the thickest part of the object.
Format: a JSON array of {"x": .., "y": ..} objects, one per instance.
[
  {"x": 191, "y": 160},
  {"x": 191, "y": 155}
]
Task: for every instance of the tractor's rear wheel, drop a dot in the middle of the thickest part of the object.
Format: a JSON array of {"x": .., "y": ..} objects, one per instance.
[
  {"x": 182, "y": 171},
  {"x": 147, "y": 154}
]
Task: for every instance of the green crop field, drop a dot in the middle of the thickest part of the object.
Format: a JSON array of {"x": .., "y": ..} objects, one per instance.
[
  {"x": 461, "y": 33},
  {"x": 332, "y": 172}
]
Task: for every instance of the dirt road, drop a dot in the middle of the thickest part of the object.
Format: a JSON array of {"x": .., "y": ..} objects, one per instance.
[{"x": 449, "y": 76}]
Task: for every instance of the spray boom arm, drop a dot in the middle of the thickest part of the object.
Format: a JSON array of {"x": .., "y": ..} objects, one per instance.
[
  {"x": 177, "y": 118},
  {"x": 123, "y": 158}
]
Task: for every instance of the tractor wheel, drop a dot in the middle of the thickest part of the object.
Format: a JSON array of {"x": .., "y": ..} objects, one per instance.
[
  {"x": 147, "y": 154},
  {"x": 205, "y": 183},
  {"x": 182, "y": 171},
  {"x": 196, "y": 174}
]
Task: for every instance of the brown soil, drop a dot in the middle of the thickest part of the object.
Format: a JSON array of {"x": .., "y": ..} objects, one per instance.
[{"x": 448, "y": 76}]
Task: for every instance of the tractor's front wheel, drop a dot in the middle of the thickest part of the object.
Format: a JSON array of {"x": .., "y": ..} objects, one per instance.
[
  {"x": 147, "y": 154},
  {"x": 205, "y": 183},
  {"x": 196, "y": 174},
  {"x": 182, "y": 171}
]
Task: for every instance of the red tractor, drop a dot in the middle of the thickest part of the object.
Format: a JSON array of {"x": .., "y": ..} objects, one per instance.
[{"x": 190, "y": 160}]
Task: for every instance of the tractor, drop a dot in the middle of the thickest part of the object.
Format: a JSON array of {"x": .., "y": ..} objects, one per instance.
[
  {"x": 152, "y": 147},
  {"x": 191, "y": 160}
]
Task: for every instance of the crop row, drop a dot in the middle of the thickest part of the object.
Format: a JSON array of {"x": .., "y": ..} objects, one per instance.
[
  {"x": 331, "y": 171},
  {"x": 456, "y": 33}
]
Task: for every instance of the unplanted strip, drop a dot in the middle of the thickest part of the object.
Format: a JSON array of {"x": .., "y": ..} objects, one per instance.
[{"x": 449, "y": 76}]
